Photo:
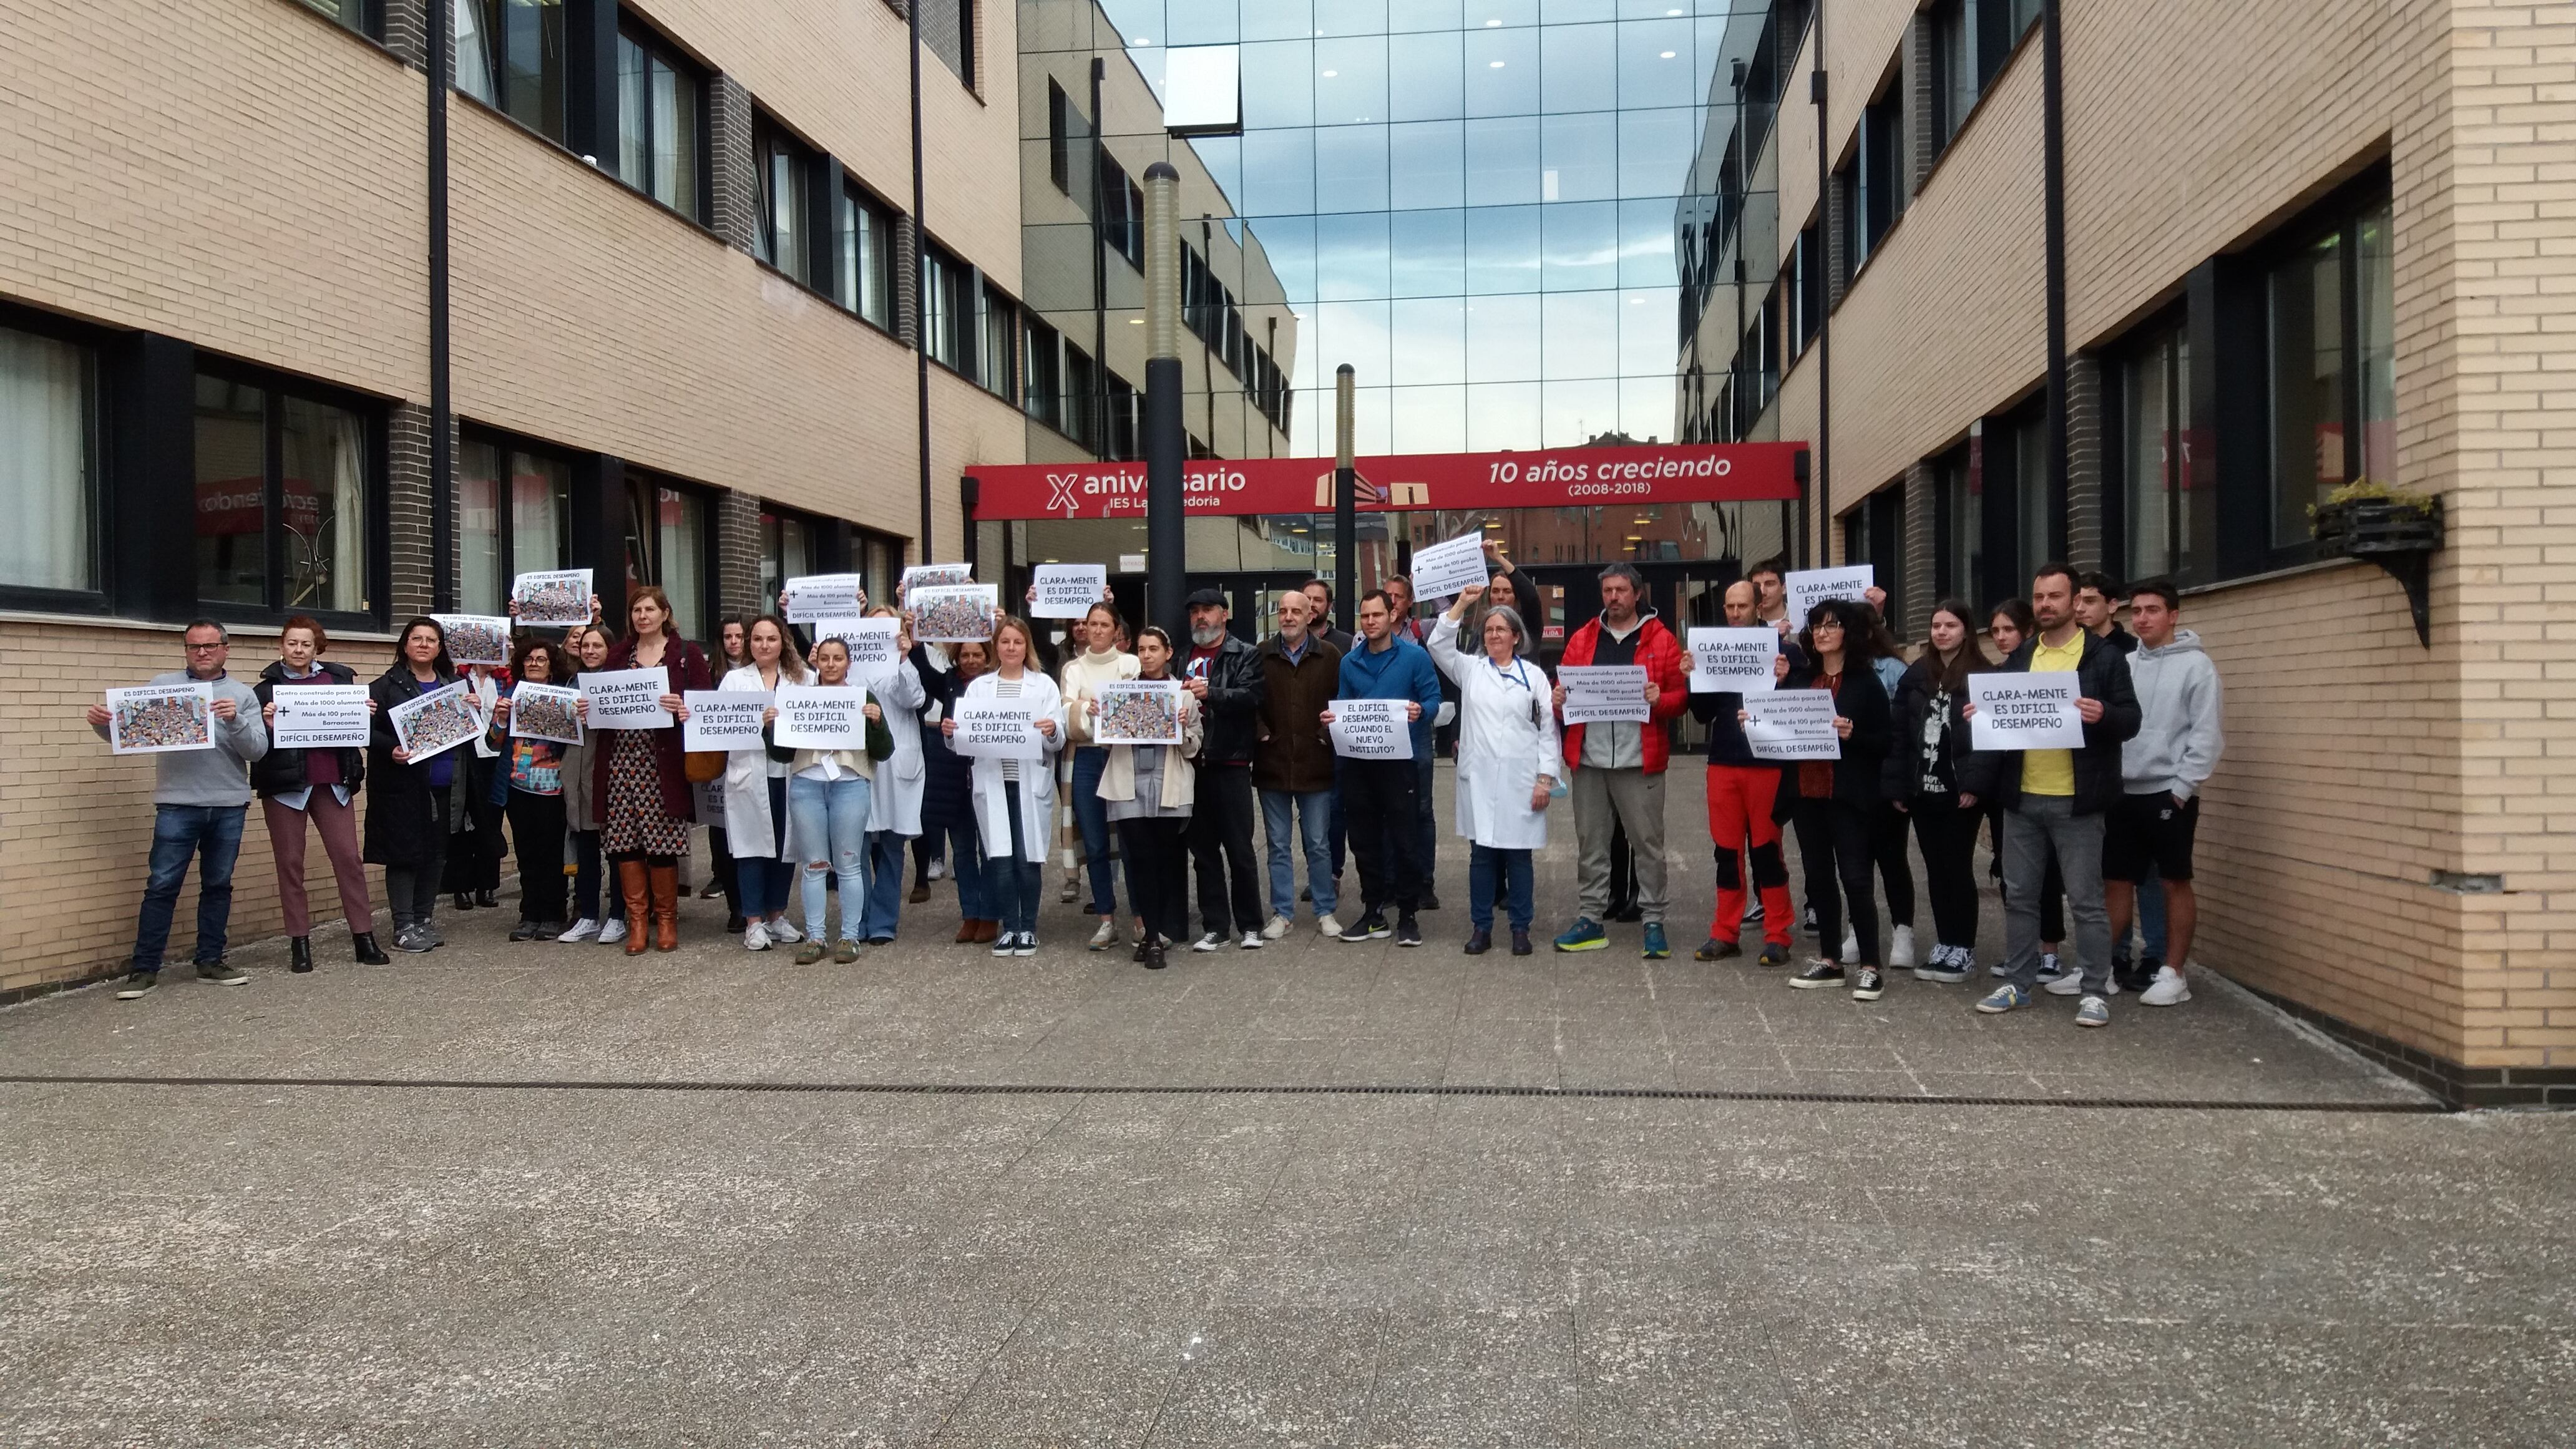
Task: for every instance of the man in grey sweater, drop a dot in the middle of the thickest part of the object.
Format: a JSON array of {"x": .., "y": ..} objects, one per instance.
[
  {"x": 2162, "y": 768},
  {"x": 199, "y": 799}
]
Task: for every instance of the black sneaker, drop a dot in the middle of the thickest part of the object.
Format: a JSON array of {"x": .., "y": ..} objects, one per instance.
[
  {"x": 138, "y": 985},
  {"x": 1773, "y": 954},
  {"x": 1429, "y": 902},
  {"x": 1143, "y": 945},
  {"x": 221, "y": 973},
  {"x": 1714, "y": 949},
  {"x": 487, "y": 900},
  {"x": 1521, "y": 941},
  {"x": 464, "y": 900},
  {"x": 1407, "y": 933},
  {"x": 1151, "y": 955},
  {"x": 412, "y": 941},
  {"x": 1818, "y": 973},
  {"x": 1371, "y": 927},
  {"x": 1867, "y": 985},
  {"x": 1480, "y": 943},
  {"x": 524, "y": 931}
]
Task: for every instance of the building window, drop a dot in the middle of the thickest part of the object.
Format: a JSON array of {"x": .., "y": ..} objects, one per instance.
[
  {"x": 1847, "y": 226},
  {"x": 1958, "y": 531},
  {"x": 1125, "y": 427},
  {"x": 1804, "y": 291},
  {"x": 1971, "y": 40},
  {"x": 2020, "y": 445},
  {"x": 661, "y": 123},
  {"x": 1059, "y": 138},
  {"x": 866, "y": 275},
  {"x": 786, "y": 551},
  {"x": 667, "y": 543},
  {"x": 948, "y": 31},
  {"x": 784, "y": 169},
  {"x": 363, "y": 16},
  {"x": 2331, "y": 348},
  {"x": 1041, "y": 383},
  {"x": 1122, "y": 212},
  {"x": 946, "y": 307},
  {"x": 513, "y": 516},
  {"x": 2157, "y": 520},
  {"x": 1081, "y": 398},
  {"x": 510, "y": 54},
  {"x": 1882, "y": 168},
  {"x": 283, "y": 483},
  {"x": 880, "y": 560},
  {"x": 49, "y": 483},
  {"x": 997, "y": 322}
]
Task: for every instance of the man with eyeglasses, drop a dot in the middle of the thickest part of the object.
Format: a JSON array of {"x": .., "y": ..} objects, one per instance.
[{"x": 199, "y": 800}]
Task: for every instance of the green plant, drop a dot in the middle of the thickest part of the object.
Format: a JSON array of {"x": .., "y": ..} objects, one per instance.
[{"x": 2368, "y": 489}]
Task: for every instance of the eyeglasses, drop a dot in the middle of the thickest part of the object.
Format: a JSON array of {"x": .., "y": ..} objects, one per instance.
[{"x": 205, "y": 648}]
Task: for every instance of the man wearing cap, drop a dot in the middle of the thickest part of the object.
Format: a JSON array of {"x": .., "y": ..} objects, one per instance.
[{"x": 1224, "y": 674}]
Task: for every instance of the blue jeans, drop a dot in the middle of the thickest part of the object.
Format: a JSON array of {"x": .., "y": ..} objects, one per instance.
[
  {"x": 1091, "y": 817},
  {"x": 965, "y": 849},
  {"x": 2151, "y": 918},
  {"x": 1013, "y": 878},
  {"x": 1515, "y": 866},
  {"x": 1341, "y": 822},
  {"x": 831, "y": 825},
  {"x": 885, "y": 885},
  {"x": 1314, "y": 811},
  {"x": 180, "y": 832},
  {"x": 762, "y": 881}
]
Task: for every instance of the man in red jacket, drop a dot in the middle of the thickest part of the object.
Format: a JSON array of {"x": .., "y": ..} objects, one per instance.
[{"x": 1619, "y": 768}]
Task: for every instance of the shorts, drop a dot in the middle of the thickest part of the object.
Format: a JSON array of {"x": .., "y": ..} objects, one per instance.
[{"x": 2149, "y": 838}]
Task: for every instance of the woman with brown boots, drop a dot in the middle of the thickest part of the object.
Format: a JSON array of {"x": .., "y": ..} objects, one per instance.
[{"x": 640, "y": 777}]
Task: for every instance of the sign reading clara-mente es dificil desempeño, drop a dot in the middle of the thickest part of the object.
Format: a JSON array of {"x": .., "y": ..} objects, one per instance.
[
  {"x": 723, "y": 719},
  {"x": 870, "y": 642},
  {"x": 627, "y": 699},
  {"x": 1605, "y": 694},
  {"x": 1372, "y": 729},
  {"x": 997, "y": 729},
  {"x": 816, "y": 597},
  {"x": 1067, "y": 591},
  {"x": 1733, "y": 661},
  {"x": 1792, "y": 724},
  {"x": 822, "y": 717},
  {"x": 1807, "y": 588},
  {"x": 320, "y": 717},
  {"x": 2025, "y": 711},
  {"x": 1446, "y": 570}
]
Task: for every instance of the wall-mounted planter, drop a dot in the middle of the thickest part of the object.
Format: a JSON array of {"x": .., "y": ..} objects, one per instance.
[{"x": 2398, "y": 534}]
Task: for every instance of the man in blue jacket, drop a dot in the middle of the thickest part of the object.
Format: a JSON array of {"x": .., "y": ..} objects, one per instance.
[{"x": 1380, "y": 797}]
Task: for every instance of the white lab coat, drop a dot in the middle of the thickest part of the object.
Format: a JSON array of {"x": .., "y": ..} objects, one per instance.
[
  {"x": 1037, "y": 777},
  {"x": 896, "y": 804},
  {"x": 1504, "y": 745},
  {"x": 749, "y": 831}
]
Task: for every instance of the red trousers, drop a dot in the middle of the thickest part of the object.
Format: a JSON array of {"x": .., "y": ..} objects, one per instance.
[
  {"x": 338, "y": 825},
  {"x": 1739, "y": 811}
]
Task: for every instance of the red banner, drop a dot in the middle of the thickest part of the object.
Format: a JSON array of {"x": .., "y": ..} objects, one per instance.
[{"x": 1538, "y": 478}]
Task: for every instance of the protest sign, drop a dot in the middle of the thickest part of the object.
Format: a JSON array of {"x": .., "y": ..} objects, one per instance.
[
  {"x": 545, "y": 712},
  {"x": 709, "y": 795},
  {"x": 723, "y": 719},
  {"x": 871, "y": 643},
  {"x": 1605, "y": 693},
  {"x": 953, "y": 613},
  {"x": 1807, "y": 588},
  {"x": 556, "y": 597},
  {"x": 928, "y": 575},
  {"x": 2025, "y": 711},
  {"x": 1792, "y": 724},
  {"x": 1733, "y": 661},
  {"x": 476, "y": 638},
  {"x": 156, "y": 719},
  {"x": 822, "y": 717},
  {"x": 1371, "y": 729},
  {"x": 627, "y": 699},
  {"x": 1446, "y": 570},
  {"x": 1138, "y": 712},
  {"x": 1067, "y": 591},
  {"x": 825, "y": 596},
  {"x": 997, "y": 729},
  {"x": 320, "y": 717},
  {"x": 437, "y": 721}
]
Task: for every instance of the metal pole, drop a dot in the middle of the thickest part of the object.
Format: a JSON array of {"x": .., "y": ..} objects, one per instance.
[
  {"x": 442, "y": 455},
  {"x": 920, "y": 241},
  {"x": 1821, "y": 486},
  {"x": 1166, "y": 539},
  {"x": 1346, "y": 502},
  {"x": 2052, "y": 151}
]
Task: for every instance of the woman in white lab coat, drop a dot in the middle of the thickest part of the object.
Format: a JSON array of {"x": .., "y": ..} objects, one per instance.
[
  {"x": 1015, "y": 798},
  {"x": 755, "y": 793},
  {"x": 1508, "y": 764},
  {"x": 895, "y": 808}
]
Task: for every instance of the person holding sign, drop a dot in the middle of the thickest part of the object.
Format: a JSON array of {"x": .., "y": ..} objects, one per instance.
[
  {"x": 1099, "y": 662},
  {"x": 1924, "y": 768},
  {"x": 1148, "y": 791},
  {"x": 407, "y": 811},
  {"x": 828, "y": 802},
  {"x": 1830, "y": 801},
  {"x": 755, "y": 790},
  {"x": 1378, "y": 795},
  {"x": 1508, "y": 762},
  {"x": 2054, "y": 801},
  {"x": 1015, "y": 798},
  {"x": 586, "y": 649},
  {"x": 1741, "y": 793},
  {"x": 641, "y": 778},
  {"x": 531, "y": 787},
  {"x": 1619, "y": 767},
  {"x": 200, "y": 798},
  {"x": 319, "y": 786},
  {"x": 894, "y": 802}
]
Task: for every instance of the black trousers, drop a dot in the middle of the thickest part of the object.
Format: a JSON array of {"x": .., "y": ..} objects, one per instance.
[
  {"x": 1833, "y": 844},
  {"x": 1895, "y": 872},
  {"x": 1158, "y": 874},
  {"x": 474, "y": 852},
  {"x": 1380, "y": 800},
  {"x": 1220, "y": 837},
  {"x": 1948, "y": 836},
  {"x": 537, "y": 824}
]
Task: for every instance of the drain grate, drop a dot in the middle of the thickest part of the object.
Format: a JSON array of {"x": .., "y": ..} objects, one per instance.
[{"x": 1042, "y": 1089}]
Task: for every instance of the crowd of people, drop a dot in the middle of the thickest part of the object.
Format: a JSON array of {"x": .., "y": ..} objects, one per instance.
[{"x": 2100, "y": 835}]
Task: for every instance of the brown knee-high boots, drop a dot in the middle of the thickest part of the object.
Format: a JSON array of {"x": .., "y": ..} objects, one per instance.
[
  {"x": 666, "y": 906},
  {"x": 636, "y": 886}
]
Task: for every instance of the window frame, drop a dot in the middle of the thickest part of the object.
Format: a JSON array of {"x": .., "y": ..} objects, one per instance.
[
  {"x": 369, "y": 22},
  {"x": 644, "y": 491},
  {"x": 376, "y": 532},
  {"x": 774, "y": 146},
  {"x": 505, "y": 507},
  {"x": 2342, "y": 221},
  {"x": 855, "y": 207},
  {"x": 101, "y": 476},
  {"x": 631, "y": 30}
]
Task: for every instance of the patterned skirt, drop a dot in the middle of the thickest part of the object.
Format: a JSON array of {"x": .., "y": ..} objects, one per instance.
[{"x": 633, "y": 822}]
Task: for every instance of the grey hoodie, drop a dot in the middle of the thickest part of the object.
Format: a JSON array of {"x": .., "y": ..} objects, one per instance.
[
  {"x": 220, "y": 776},
  {"x": 2177, "y": 743}
]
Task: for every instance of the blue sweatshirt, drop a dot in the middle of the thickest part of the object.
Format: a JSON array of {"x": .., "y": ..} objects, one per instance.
[{"x": 1402, "y": 670}]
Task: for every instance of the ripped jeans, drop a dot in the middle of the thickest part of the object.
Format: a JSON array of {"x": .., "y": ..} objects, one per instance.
[{"x": 828, "y": 822}]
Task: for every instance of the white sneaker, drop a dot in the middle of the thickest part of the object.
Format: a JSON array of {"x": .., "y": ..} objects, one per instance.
[
  {"x": 1900, "y": 953},
  {"x": 2066, "y": 983},
  {"x": 1327, "y": 927},
  {"x": 1107, "y": 935},
  {"x": 1851, "y": 948},
  {"x": 938, "y": 870},
  {"x": 1208, "y": 942},
  {"x": 1277, "y": 928},
  {"x": 2170, "y": 988},
  {"x": 612, "y": 933},
  {"x": 1252, "y": 940},
  {"x": 754, "y": 938},
  {"x": 783, "y": 933},
  {"x": 584, "y": 929}
]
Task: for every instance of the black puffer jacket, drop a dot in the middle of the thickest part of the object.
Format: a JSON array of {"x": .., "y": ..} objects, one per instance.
[
  {"x": 281, "y": 772},
  {"x": 1233, "y": 703},
  {"x": 2101, "y": 673},
  {"x": 1902, "y": 778}
]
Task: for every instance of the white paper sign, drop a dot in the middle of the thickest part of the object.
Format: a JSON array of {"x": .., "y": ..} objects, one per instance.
[
  {"x": 1372, "y": 729},
  {"x": 1131, "y": 563},
  {"x": 627, "y": 699},
  {"x": 1733, "y": 661},
  {"x": 926, "y": 575},
  {"x": 1138, "y": 712},
  {"x": 156, "y": 719},
  {"x": 2025, "y": 711},
  {"x": 723, "y": 719},
  {"x": 545, "y": 712},
  {"x": 710, "y": 797},
  {"x": 1807, "y": 588},
  {"x": 437, "y": 721},
  {"x": 561, "y": 596},
  {"x": 319, "y": 717},
  {"x": 1446, "y": 570},
  {"x": 821, "y": 717},
  {"x": 997, "y": 729},
  {"x": 825, "y": 596},
  {"x": 477, "y": 638},
  {"x": 1605, "y": 693},
  {"x": 1067, "y": 591},
  {"x": 1792, "y": 724},
  {"x": 953, "y": 613},
  {"x": 870, "y": 642}
]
